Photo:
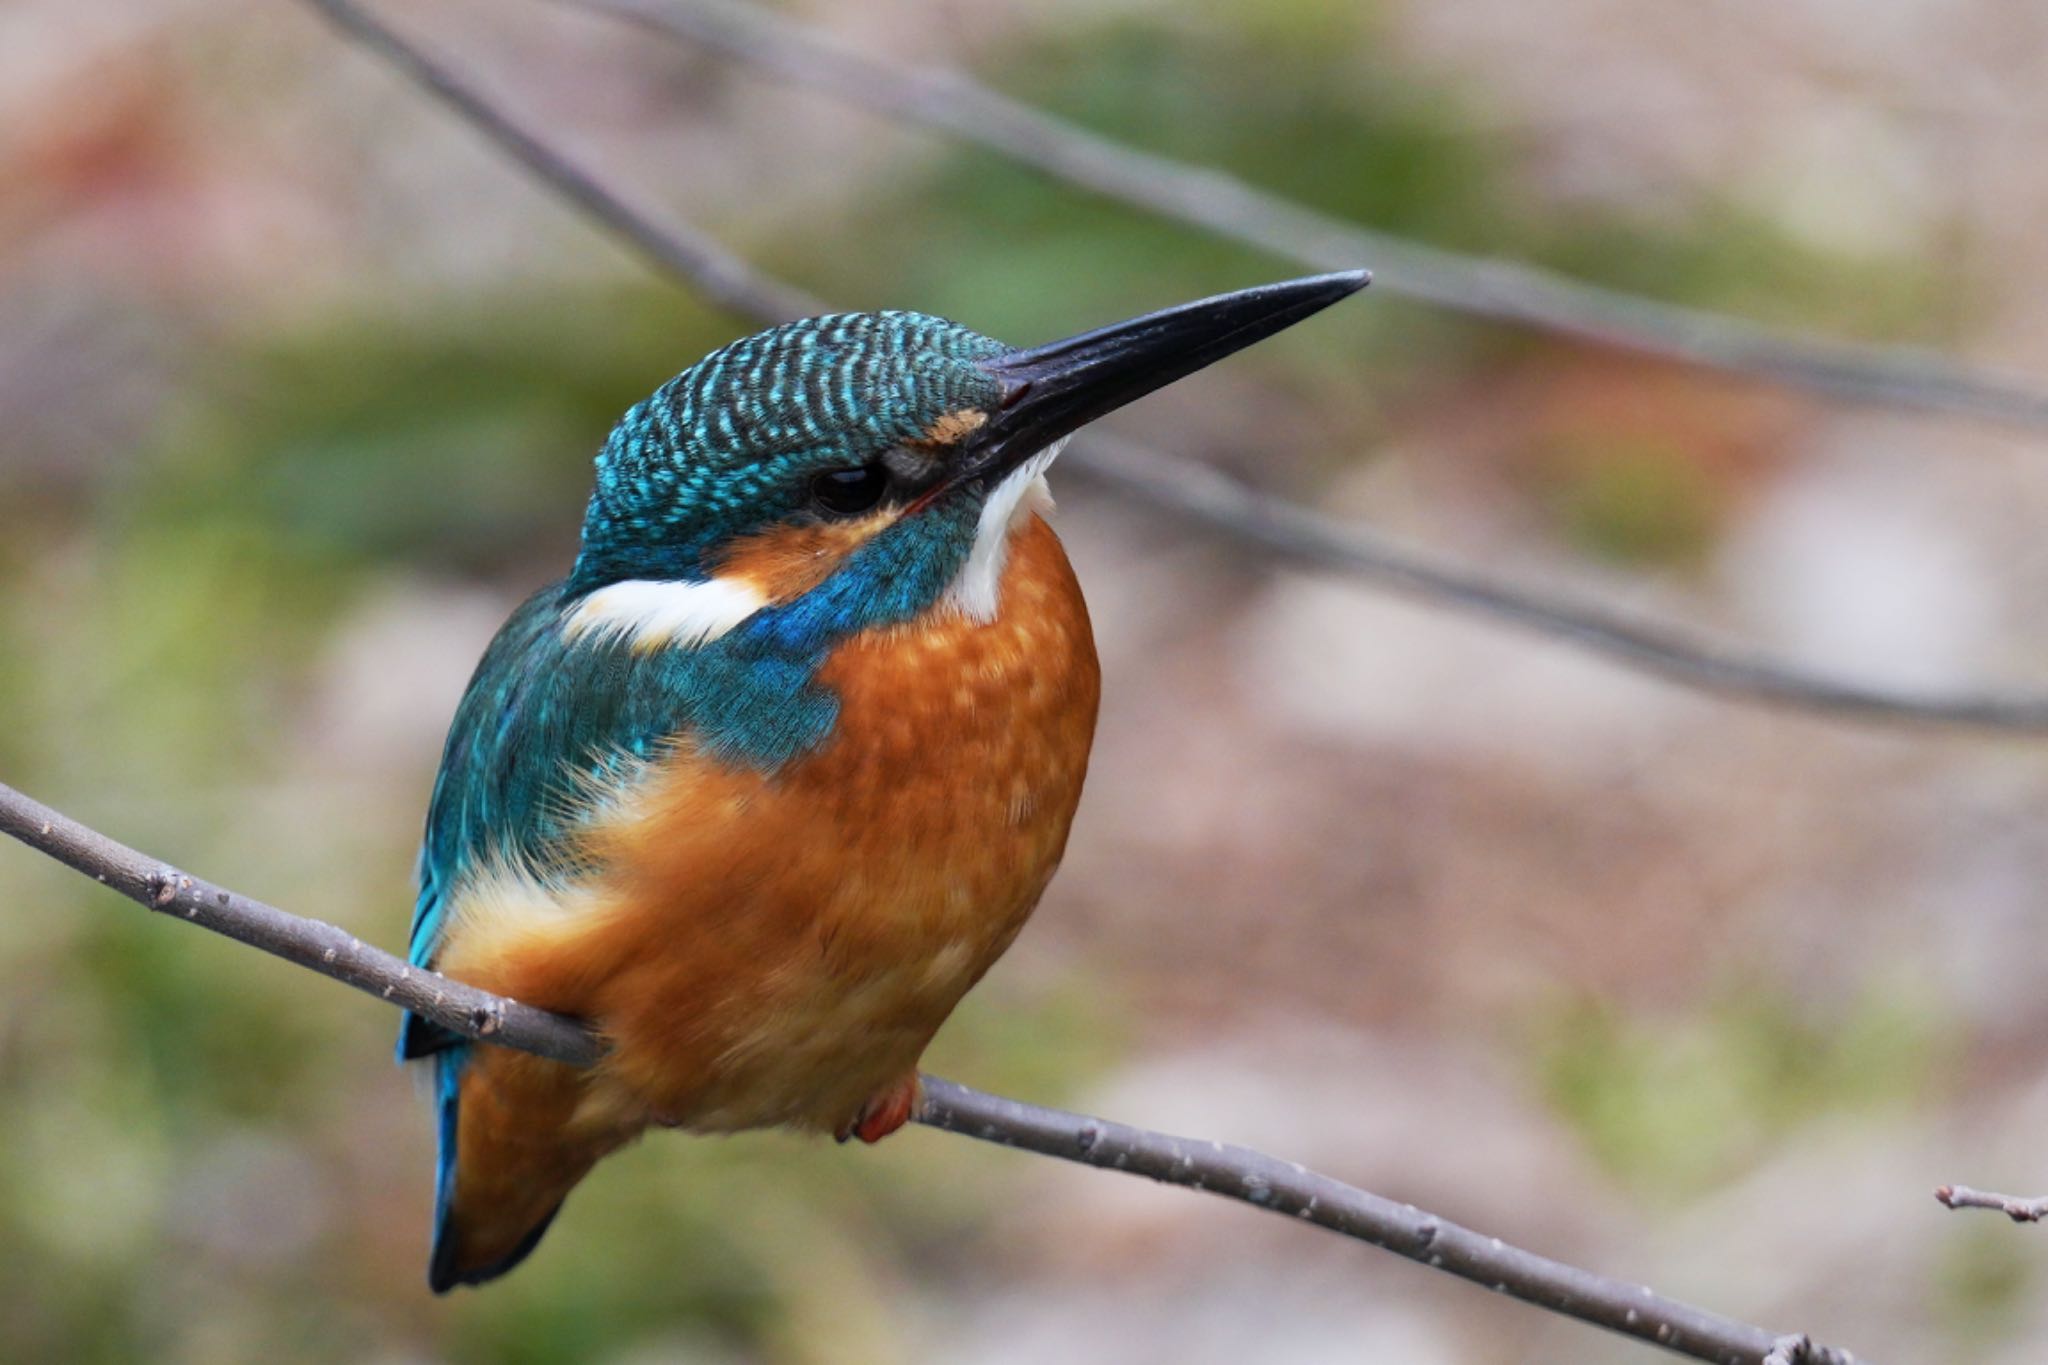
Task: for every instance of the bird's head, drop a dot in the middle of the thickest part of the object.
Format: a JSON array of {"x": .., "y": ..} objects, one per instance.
[{"x": 857, "y": 469}]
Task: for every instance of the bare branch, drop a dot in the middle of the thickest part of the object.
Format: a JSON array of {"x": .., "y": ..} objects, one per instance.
[
  {"x": 2017, "y": 1209},
  {"x": 1281, "y": 1187},
  {"x": 1204, "y": 494},
  {"x": 327, "y": 949},
  {"x": 1490, "y": 288},
  {"x": 720, "y": 275},
  {"x": 1285, "y": 1187}
]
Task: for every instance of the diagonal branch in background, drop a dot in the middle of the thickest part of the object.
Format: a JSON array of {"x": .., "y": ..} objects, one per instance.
[
  {"x": 1204, "y": 494},
  {"x": 720, "y": 275},
  {"x": 1208, "y": 495},
  {"x": 1497, "y": 290},
  {"x": 1277, "y": 1186}
]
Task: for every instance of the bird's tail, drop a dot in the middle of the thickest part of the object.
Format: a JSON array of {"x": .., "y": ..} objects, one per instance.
[{"x": 511, "y": 1150}]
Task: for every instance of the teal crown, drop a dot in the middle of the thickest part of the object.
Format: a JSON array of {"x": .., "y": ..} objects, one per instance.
[{"x": 726, "y": 447}]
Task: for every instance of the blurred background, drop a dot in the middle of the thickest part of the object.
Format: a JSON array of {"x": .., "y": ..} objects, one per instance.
[{"x": 300, "y": 381}]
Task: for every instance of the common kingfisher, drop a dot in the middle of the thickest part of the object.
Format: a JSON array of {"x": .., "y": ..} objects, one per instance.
[{"x": 762, "y": 788}]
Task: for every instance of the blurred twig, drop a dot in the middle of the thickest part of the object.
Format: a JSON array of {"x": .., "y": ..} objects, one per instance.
[
  {"x": 1276, "y": 1186},
  {"x": 722, "y": 276},
  {"x": 1216, "y": 499},
  {"x": 1494, "y": 289},
  {"x": 1198, "y": 491},
  {"x": 2018, "y": 1209}
]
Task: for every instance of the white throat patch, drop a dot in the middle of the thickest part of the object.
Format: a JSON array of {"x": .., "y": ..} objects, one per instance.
[
  {"x": 657, "y": 613},
  {"x": 1021, "y": 494},
  {"x": 650, "y": 613}
]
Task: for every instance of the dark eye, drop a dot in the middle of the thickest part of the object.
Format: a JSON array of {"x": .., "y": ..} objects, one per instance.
[{"x": 848, "y": 492}]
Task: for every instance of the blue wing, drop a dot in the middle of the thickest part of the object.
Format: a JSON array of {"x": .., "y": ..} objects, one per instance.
[
  {"x": 545, "y": 721},
  {"x": 495, "y": 776}
]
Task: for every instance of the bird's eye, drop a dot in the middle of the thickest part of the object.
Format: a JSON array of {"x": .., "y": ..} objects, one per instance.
[{"x": 849, "y": 492}]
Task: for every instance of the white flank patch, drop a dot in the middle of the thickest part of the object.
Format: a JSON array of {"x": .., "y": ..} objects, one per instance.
[
  {"x": 656, "y": 613},
  {"x": 503, "y": 903},
  {"x": 1018, "y": 496},
  {"x": 505, "y": 914}
]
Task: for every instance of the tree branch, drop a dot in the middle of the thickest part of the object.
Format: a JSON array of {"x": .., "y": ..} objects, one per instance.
[
  {"x": 1281, "y": 1187},
  {"x": 326, "y": 948},
  {"x": 720, "y": 275},
  {"x": 1498, "y": 290},
  {"x": 2018, "y": 1209},
  {"x": 1204, "y": 494}
]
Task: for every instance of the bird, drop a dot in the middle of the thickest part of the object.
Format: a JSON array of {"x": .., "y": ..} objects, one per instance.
[{"x": 774, "y": 775}]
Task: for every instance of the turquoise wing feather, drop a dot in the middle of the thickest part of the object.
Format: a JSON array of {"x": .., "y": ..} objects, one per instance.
[{"x": 547, "y": 720}]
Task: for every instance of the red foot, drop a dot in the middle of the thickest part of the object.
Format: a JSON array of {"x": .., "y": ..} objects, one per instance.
[{"x": 884, "y": 1113}]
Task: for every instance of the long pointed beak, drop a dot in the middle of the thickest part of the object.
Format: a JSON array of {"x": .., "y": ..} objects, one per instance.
[{"x": 1052, "y": 390}]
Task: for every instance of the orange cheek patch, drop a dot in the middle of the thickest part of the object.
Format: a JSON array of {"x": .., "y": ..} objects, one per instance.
[{"x": 786, "y": 562}]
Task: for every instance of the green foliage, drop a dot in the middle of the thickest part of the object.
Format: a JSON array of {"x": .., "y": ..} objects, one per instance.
[
  {"x": 456, "y": 439},
  {"x": 1012, "y": 251},
  {"x": 1985, "y": 1281},
  {"x": 1729, "y": 259},
  {"x": 1635, "y": 501},
  {"x": 1676, "y": 1105},
  {"x": 1352, "y": 130}
]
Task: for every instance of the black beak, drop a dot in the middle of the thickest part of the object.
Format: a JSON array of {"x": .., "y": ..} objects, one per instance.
[{"x": 1052, "y": 390}]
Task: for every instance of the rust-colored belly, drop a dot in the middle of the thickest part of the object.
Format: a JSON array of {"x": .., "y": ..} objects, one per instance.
[{"x": 777, "y": 950}]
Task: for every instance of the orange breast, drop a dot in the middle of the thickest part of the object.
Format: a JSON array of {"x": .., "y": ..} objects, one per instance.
[{"x": 776, "y": 950}]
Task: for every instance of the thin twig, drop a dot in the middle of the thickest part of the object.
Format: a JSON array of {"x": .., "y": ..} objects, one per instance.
[
  {"x": 1285, "y": 1187},
  {"x": 1201, "y": 493},
  {"x": 1207, "y": 494},
  {"x": 1490, "y": 288},
  {"x": 720, "y": 275},
  {"x": 326, "y": 948},
  {"x": 1281, "y": 1187},
  {"x": 2018, "y": 1209}
]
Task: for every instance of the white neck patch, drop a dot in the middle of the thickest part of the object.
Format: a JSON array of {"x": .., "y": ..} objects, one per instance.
[
  {"x": 651, "y": 613},
  {"x": 1023, "y": 493},
  {"x": 657, "y": 613}
]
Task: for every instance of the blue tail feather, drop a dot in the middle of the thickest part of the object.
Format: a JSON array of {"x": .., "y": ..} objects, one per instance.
[
  {"x": 441, "y": 1275},
  {"x": 444, "y": 1268}
]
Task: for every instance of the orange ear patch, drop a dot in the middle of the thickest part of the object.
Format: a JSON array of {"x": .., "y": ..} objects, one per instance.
[
  {"x": 785, "y": 562},
  {"x": 953, "y": 426}
]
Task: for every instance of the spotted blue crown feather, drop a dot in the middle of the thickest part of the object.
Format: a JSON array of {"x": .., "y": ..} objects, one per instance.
[{"x": 716, "y": 450}]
